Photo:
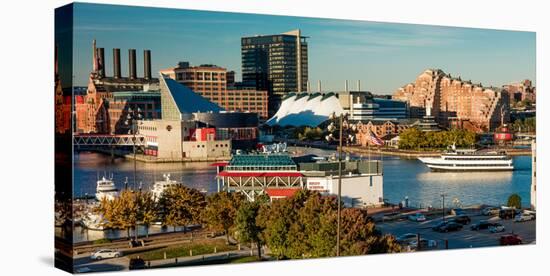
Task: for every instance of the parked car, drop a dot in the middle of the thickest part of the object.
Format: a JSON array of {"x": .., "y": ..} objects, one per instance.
[
  {"x": 447, "y": 226},
  {"x": 417, "y": 217},
  {"x": 481, "y": 225},
  {"x": 490, "y": 211},
  {"x": 462, "y": 219},
  {"x": 406, "y": 238},
  {"x": 532, "y": 213},
  {"x": 424, "y": 243},
  {"x": 508, "y": 213},
  {"x": 497, "y": 228},
  {"x": 105, "y": 254},
  {"x": 511, "y": 239},
  {"x": 457, "y": 211},
  {"x": 137, "y": 263},
  {"x": 523, "y": 217}
]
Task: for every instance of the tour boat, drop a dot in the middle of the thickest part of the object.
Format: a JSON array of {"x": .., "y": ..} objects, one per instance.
[
  {"x": 106, "y": 189},
  {"x": 469, "y": 160},
  {"x": 160, "y": 186}
]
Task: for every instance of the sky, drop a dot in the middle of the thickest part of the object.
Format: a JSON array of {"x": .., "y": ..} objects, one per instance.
[{"x": 384, "y": 56}]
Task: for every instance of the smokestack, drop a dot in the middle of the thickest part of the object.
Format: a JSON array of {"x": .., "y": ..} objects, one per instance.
[
  {"x": 308, "y": 86},
  {"x": 116, "y": 63},
  {"x": 319, "y": 85},
  {"x": 346, "y": 86},
  {"x": 132, "y": 64},
  {"x": 101, "y": 61},
  {"x": 358, "y": 85},
  {"x": 147, "y": 64}
]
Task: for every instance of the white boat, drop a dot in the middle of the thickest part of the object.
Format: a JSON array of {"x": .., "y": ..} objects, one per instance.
[
  {"x": 106, "y": 189},
  {"x": 469, "y": 160},
  {"x": 93, "y": 221},
  {"x": 160, "y": 186}
]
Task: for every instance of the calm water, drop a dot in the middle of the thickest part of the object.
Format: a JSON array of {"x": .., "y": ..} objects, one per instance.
[{"x": 402, "y": 178}]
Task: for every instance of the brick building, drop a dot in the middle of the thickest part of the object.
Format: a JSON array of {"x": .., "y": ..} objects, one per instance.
[
  {"x": 381, "y": 129},
  {"x": 218, "y": 85},
  {"x": 455, "y": 102},
  {"x": 521, "y": 91}
]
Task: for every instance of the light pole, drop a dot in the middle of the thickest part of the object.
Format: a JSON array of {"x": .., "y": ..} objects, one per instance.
[
  {"x": 131, "y": 120},
  {"x": 342, "y": 125},
  {"x": 443, "y": 206}
]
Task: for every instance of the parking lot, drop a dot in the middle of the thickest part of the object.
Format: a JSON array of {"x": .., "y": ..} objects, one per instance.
[{"x": 464, "y": 238}]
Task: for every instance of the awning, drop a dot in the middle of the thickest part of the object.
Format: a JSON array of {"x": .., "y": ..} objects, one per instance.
[{"x": 260, "y": 174}]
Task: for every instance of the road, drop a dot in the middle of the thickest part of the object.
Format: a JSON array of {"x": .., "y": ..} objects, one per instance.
[{"x": 464, "y": 238}]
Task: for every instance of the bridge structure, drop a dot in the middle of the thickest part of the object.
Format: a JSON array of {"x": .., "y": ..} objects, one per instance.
[{"x": 108, "y": 140}]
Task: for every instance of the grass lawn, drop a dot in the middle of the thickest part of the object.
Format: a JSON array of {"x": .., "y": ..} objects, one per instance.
[{"x": 198, "y": 247}]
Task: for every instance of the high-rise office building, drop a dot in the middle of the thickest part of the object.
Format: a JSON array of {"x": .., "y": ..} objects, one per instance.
[{"x": 276, "y": 63}]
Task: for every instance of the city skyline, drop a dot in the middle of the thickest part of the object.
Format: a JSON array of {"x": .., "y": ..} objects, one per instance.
[{"x": 384, "y": 56}]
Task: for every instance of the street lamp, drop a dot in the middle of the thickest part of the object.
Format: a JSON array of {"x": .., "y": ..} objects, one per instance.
[
  {"x": 343, "y": 125},
  {"x": 132, "y": 119},
  {"x": 443, "y": 206}
]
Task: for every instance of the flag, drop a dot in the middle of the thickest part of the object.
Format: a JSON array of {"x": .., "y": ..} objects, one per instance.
[{"x": 375, "y": 140}]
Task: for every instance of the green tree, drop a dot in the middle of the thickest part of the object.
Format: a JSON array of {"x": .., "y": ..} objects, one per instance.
[
  {"x": 247, "y": 228},
  {"x": 181, "y": 206},
  {"x": 221, "y": 210},
  {"x": 514, "y": 200}
]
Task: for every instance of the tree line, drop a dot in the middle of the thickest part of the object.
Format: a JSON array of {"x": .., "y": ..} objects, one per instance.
[
  {"x": 414, "y": 138},
  {"x": 301, "y": 226}
]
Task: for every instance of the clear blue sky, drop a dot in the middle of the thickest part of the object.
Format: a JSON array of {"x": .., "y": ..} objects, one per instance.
[{"x": 383, "y": 56}]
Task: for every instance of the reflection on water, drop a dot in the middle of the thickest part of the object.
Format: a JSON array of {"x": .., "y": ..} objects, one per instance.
[{"x": 89, "y": 166}]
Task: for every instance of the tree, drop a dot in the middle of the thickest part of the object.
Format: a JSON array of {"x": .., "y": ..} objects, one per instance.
[
  {"x": 514, "y": 200},
  {"x": 181, "y": 206},
  {"x": 121, "y": 212},
  {"x": 247, "y": 228},
  {"x": 147, "y": 209},
  {"x": 221, "y": 210}
]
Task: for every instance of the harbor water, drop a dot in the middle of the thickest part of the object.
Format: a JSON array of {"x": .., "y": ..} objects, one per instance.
[{"x": 403, "y": 178}]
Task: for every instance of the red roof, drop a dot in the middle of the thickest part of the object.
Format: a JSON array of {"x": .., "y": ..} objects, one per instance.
[
  {"x": 283, "y": 192},
  {"x": 219, "y": 164},
  {"x": 260, "y": 174}
]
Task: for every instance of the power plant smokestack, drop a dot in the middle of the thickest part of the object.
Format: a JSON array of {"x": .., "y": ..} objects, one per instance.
[
  {"x": 319, "y": 85},
  {"x": 132, "y": 64},
  {"x": 346, "y": 86},
  {"x": 358, "y": 85},
  {"x": 101, "y": 61},
  {"x": 116, "y": 63},
  {"x": 147, "y": 64}
]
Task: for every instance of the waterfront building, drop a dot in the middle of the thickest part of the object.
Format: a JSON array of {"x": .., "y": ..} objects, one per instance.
[
  {"x": 386, "y": 130},
  {"x": 521, "y": 91},
  {"x": 453, "y": 101},
  {"x": 312, "y": 109},
  {"x": 362, "y": 181},
  {"x": 363, "y": 106},
  {"x": 534, "y": 175},
  {"x": 275, "y": 63},
  {"x": 105, "y": 105},
  {"x": 217, "y": 84},
  {"x": 194, "y": 128},
  {"x": 279, "y": 176},
  {"x": 257, "y": 174}
]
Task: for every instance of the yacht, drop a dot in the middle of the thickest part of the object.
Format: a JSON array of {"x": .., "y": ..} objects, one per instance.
[
  {"x": 106, "y": 189},
  {"x": 160, "y": 186},
  {"x": 469, "y": 160},
  {"x": 93, "y": 221}
]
